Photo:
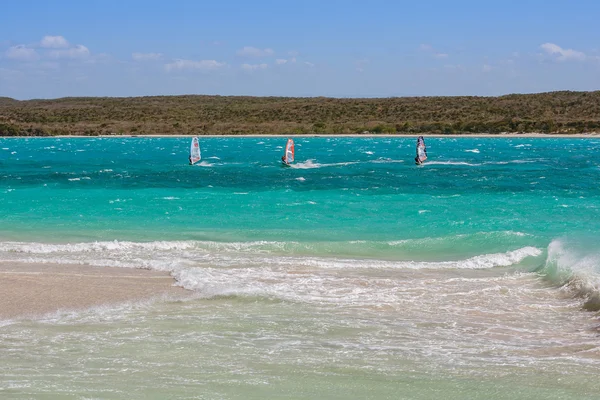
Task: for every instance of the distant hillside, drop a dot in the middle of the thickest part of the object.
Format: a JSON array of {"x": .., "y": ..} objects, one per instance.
[
  {"x": 7, "y": 101},
  {"x": 556, "y": 112}
]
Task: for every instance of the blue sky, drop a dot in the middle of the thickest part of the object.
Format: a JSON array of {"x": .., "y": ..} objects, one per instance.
[{"x": 375, "y": 48}]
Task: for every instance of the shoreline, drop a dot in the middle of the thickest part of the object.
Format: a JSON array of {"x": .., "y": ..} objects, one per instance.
[
  {"x": 34, "y": 290},
  {"x": 591, "y": 135}
]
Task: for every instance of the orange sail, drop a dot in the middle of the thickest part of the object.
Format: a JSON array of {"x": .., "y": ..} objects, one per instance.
[{"x": 288, "y": 157}]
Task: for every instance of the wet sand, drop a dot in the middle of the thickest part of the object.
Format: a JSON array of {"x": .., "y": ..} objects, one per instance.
[{"x": 37, "y": 289}]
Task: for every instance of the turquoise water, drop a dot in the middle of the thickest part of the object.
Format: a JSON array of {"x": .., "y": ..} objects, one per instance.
[{"x": 352, "y": 274}]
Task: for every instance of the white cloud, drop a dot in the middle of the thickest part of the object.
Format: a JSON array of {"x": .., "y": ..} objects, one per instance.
[
  {"x": 21, "y": 53},
  {"x": 281, "y": 61},
  {"x": 253, "y": 67},
  {"x": 562, "y": 54},
  {"x": 486, "y": 68},
  {"x": 76, "y": 52},
  {"x": 309, "y": 64},
  {"x": 250, "y": 51},
  {"x": 429, "y": 49},
  {"x": 146, "y": 56},
  {"x": 203, "y": 65},
  {"x": 54, "y": 42}
]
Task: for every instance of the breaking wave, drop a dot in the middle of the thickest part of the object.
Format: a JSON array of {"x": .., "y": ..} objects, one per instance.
[
  {"x": 253, "y": 268},
  {"x": 576, "y": 271},
  {"x": 391, "y": 249}
]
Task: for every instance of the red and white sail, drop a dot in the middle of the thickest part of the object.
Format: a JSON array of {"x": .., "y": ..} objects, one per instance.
[
  {"x": 289, "y": 152},
  {"x": 421, "y": 150},
  {"x": 195, "y": 151}
]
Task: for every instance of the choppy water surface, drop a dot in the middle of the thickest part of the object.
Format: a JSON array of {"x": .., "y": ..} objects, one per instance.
[{"x": 353, "y": 274}]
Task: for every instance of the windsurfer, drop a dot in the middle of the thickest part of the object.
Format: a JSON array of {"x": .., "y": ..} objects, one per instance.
[{"x": 421, "y": 151}]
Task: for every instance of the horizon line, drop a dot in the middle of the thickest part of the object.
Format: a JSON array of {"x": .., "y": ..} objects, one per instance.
[{"x": 297, "y": 97}]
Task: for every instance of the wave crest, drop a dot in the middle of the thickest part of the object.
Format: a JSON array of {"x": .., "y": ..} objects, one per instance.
[{"x": 575, "y": 272}]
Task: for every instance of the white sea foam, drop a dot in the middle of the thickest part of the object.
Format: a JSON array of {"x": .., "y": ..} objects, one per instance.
[
  {"x": 176, "y": 255},
  {"x": 317, "y": 280},
  {"x": 87, "y": 247},
  {"x": 523, "y": 161},
  {"x": 472, "y": 151},
  {"x": 450, "y": 163},
  {"x": 310, "y": 164},
  {"x": 386, "y": 161},
  {"x": 577, "y": 271}
]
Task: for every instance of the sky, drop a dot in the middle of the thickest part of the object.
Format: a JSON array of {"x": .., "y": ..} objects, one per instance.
[{"x": 334, "y": 48}]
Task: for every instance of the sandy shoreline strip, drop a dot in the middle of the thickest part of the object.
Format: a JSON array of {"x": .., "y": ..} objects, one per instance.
[{"x": 37, "y": 289}]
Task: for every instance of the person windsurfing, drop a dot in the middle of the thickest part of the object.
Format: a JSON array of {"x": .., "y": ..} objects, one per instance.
[
  {"x": 195, "y": 155},
  {"x": 421, "y": 151},
  {"x": 288, "y": 156}
]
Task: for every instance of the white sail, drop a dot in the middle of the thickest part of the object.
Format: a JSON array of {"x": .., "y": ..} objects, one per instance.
[
  {"x": 195, "y": 151},
  {"x": 421, "y": 151}
]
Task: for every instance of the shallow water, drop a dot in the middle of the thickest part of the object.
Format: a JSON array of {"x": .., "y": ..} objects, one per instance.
[{"x": 353, "y": 274}]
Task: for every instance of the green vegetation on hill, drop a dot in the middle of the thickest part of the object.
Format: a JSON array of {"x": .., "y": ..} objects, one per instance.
[{"x": 556, "y": 112}]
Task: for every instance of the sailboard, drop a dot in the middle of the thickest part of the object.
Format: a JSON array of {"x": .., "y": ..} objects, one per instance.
[
  {"x": 194, "y": 151},
  {"x": 288, "y": 156},
  {"x": 421, "y": 151}
]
